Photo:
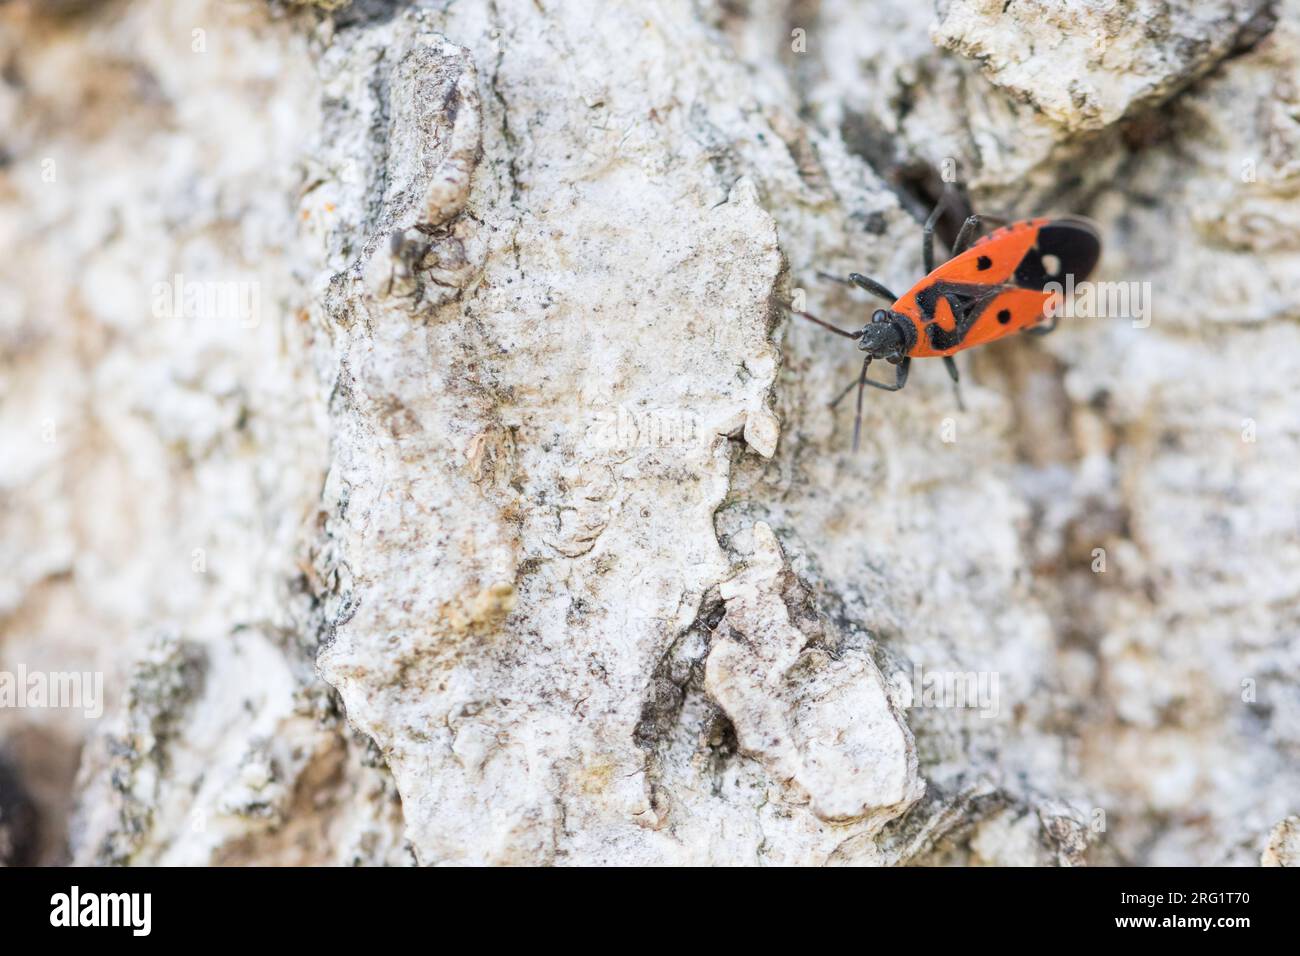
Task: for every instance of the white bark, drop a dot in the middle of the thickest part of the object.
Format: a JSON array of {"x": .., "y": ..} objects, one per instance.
[{"x": 512, "y": 525}]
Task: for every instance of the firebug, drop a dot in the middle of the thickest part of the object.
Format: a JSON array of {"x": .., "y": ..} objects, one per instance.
[{"x": 991, "y": 287}]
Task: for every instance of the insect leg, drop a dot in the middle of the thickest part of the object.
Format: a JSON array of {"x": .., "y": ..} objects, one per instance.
[
  {"x": 862, "y": 382},
  {"x": 857, "y": 419},
  {"x": 900, "y": 379},
  {"x": 853, "y": 384},
  {"x": 970, "y": 230},
  {"x": 950, "y": 363},
  {"x": 862, "y": 282},
  {"x": 927, "y": 233},
  {"x": 966, "y": 235},
  {"x": 872, "y": 286},
  {"x": 830, "y": 278}
]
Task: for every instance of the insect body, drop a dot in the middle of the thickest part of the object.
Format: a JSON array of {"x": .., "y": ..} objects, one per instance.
[{"x": 991, "y": 287}]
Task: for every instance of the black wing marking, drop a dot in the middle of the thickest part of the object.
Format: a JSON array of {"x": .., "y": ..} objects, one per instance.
[
  {"x": 967, "y": 302},
  {"x": 1063, "y": 247}
]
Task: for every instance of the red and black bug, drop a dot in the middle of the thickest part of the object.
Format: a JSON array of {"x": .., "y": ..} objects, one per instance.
[{"x": 991, "y": 287}]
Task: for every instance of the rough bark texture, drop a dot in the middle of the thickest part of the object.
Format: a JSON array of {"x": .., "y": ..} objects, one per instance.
[{"x": 511, "y": 525}]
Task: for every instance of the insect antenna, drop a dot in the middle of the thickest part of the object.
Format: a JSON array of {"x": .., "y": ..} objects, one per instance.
[{"x": 824, "y": 324}]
